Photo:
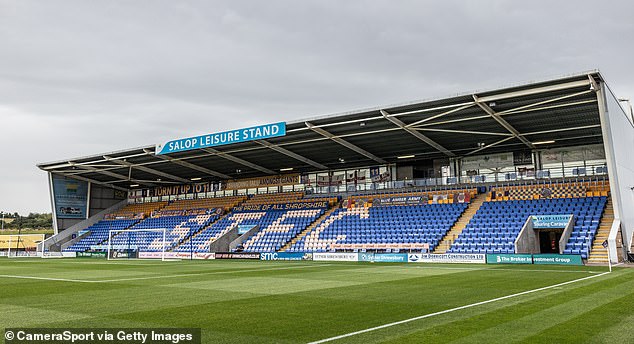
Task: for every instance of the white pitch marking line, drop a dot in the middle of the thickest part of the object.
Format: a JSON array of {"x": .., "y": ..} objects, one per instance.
[
  {"x": 453, "y": 309},
  {"x": 47, "y": 278},
  {"x": 156, "y": 277}
]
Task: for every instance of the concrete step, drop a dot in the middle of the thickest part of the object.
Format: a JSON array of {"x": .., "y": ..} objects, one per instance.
[{"x": 460, "y": 224}]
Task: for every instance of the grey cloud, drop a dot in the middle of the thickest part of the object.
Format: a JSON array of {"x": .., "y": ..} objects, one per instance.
[{"x": 83, "y": 77}]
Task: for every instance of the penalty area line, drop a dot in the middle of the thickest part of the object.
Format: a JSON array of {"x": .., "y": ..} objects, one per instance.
[{"x": 371, "y": 329}]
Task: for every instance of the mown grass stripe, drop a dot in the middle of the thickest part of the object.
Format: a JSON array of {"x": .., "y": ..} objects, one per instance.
[
  {"x": 547, "y": 313},
  {"x": 158, "y": 277},
  {"x": 371, "y": 329}
]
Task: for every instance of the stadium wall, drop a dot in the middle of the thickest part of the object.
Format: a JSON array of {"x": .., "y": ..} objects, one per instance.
[{"x": 618, "y": 138}]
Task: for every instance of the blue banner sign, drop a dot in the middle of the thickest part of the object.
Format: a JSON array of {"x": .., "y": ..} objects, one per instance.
[
  {"x": 224, "y": 138},
  {"x": 388, "y": 201},
  {"x": 71, "y": 198},
  {"x": 383, "y": 257},
  {"x": 282, "y": 206},
  {"x": 244, "y": 229},
  {"x": 550, "y": 221},
  {"x": 286, "y": 256}
]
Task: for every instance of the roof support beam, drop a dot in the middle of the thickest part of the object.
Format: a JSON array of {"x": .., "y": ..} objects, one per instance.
[
  {"x": 345, "y": 143},
  {"x": 108, "y": 173},
  {"x": 548, "y": 107},
  {"x": 416, "y": 134},
  {"x": 564, "y": 129},
  {"x": 438, "y": 115},
  {"x": 466, "y": 132},
  {"x": 510, "y": 111},
  {"x": 291, "y": 154},
  {"x": 594, "y": 86},
  {"x": 91, "y": 181},
  {"x": 458, "y": 120},
  {"x": 502, "y": 122},
  {"x": 188, "y": 165},
  {"x": 452, "y": 106},
  {"x": 148, "y": 170},
  {"x": 490, "y": 145},
  {"x": 239, "y": 161},
  {"x": 536, "y": 90}
]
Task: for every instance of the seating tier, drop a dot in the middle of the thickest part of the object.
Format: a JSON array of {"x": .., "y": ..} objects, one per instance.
[{"x": 392, "y": 228}]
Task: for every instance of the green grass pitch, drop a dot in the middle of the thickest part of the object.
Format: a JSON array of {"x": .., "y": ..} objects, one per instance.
[{"x": 301, "y": 302}]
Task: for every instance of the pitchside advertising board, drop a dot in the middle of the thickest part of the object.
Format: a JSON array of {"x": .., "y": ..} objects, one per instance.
[
  {"x": 223, "y": 138},
  {"x": 286, "y": 256},
  {"x": 176, "y": 255},
  {"x": 383, "y": 257},
  {"x": 538, "y": 259},
  {"x": 124, "y": 254},
  {"x": 336, "y": 257},
  {"x": 446, "y": 258},
  {"x": 557, "y": 259},
  {"x": 509, "y": 259},
  {"x": 91, "y": 254},
  {"x": 550, "y": 221},
  {"x": 237, "y": 255}
]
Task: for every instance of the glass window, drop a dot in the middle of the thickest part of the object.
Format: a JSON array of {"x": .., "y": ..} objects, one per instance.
[{"x": 322, "y": 182}]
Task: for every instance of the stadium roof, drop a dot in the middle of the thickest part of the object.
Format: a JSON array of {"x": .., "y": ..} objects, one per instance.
[{"x": 563, "y": 110}]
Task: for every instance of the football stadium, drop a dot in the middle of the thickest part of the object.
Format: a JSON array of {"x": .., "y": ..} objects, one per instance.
[{"x": 503, "y": 215}]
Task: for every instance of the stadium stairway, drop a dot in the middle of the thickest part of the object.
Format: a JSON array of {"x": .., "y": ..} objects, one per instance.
[
  {"x": 185, "y": 241},
  {"x": 309, "y": 228},
  {"x": 598, "y": 253},
  {"x": 462, "y": 222}
]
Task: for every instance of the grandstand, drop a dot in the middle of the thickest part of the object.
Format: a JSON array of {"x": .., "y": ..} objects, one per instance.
[
  {"x": 414, "y": 221},
  {"x": 470, "y": 174},
  {"x": 399, "y": 221}
]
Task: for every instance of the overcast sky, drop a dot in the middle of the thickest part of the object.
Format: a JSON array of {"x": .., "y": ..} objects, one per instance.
[{"x": 85, "y": 77}]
